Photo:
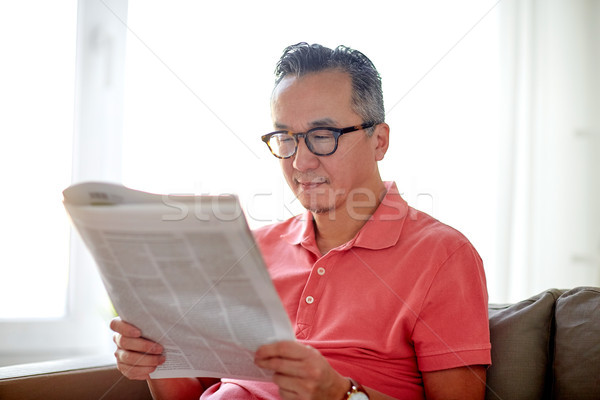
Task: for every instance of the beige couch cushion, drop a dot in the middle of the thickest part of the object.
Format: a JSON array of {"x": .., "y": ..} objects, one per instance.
[
  {"x": 520, "y": 336},
  {"x": 577, "y": 345}
]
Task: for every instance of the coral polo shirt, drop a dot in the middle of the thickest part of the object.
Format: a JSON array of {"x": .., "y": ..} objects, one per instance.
[{"x": 406, "y": 295}]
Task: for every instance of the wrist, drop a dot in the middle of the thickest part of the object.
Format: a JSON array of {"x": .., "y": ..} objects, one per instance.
[{"x": 355, "y": 391}]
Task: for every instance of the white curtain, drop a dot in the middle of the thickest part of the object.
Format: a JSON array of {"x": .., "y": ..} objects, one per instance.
[{"x": 549, "y": 205}]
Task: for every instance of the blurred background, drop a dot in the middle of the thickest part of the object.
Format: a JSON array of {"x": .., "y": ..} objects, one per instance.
[{"x": 494, "y": 108}]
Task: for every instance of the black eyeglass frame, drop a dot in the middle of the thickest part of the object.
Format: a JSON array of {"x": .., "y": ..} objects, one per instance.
[{"x": 337, "y": 132}]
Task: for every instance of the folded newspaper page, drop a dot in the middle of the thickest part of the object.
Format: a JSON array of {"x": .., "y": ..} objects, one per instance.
[{"x": 187, "y": 272}]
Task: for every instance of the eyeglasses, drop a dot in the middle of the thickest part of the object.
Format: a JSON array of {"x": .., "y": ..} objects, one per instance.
[{"x": 321, "y": 141}]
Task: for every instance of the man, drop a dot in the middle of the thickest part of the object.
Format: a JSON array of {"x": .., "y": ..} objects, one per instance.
[{"x": 380, "y": 295}]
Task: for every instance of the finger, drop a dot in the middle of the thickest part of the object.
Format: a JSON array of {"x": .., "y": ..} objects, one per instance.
[
  {"x": 284, "y": 349},
  {"x": 135, "y": 372},
  {"x": 137, "y": 344},
  {"x": 295, "y": 388},
  {"x": 132, "y": 358},
  {"x": 283, "y": 366},
  {"x": 122, "y": 327},
  {"x": 286, "y": 394}
]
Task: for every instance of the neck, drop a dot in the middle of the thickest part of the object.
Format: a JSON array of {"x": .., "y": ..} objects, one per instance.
[{"x": 339, "y": 225}]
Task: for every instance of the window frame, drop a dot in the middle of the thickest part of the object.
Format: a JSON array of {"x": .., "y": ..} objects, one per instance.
[{"x": 98, "y": 115}]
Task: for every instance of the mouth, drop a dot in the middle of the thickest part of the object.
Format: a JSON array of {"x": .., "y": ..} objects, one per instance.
[{"x": 310, "y": 184}]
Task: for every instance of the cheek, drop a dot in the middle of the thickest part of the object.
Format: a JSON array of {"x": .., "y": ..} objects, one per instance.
[{"x": 349, "y": 170}]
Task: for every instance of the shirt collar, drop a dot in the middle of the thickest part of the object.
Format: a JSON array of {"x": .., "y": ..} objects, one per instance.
[
  {"x": 382, "y": 230},
  {"x": 300, "y": 229}
]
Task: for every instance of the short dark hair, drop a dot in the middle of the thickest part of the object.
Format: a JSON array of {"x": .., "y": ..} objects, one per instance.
[{"x": 367, "y": 94}]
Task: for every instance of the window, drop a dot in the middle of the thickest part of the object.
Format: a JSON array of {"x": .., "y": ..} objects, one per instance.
[
  {"x": 53, "y": 304},
  {"x": 35, "y": 159}
]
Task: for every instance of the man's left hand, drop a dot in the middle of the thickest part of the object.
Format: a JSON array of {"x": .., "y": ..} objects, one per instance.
[{"x": 301, "y": 372}]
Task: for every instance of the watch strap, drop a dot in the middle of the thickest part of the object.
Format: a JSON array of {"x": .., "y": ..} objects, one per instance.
[{"x": 355, "y": 388}]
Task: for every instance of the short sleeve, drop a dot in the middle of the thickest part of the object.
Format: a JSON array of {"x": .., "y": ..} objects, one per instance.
[{"x": 452, "y": 329}]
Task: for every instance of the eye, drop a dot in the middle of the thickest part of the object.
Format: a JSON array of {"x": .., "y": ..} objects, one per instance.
[
  {"x": 321, "y": 135},
  {"x": 283, "y": 139}
]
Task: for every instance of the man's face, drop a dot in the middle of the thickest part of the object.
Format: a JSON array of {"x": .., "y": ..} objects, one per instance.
[{"x": 325, "y": 183}]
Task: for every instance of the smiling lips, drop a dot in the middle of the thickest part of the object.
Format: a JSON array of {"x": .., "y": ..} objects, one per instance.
[{"x": 308, "y": 184}]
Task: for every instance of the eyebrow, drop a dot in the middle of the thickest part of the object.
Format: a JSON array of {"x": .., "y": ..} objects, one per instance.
[{"x": 314, "y": 124}]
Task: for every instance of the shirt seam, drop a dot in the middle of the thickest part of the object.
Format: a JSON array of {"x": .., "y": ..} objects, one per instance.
[{"x": 458, "y": 350}]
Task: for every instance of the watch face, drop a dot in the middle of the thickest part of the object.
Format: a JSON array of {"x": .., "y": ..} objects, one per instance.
[{"x": 358, "y": 396}]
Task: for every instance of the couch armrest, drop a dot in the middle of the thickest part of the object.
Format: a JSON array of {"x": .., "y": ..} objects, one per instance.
[{"x": 84, "y": 378}]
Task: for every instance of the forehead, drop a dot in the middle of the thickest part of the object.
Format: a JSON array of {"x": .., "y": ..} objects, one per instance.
[{"x": 315, "y": 96}]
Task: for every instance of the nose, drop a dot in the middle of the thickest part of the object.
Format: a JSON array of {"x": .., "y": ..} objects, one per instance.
[{"x": 304, "y": 159}]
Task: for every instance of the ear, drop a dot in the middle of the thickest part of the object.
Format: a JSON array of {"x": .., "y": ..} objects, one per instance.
[{"x": 381, "y": 138}]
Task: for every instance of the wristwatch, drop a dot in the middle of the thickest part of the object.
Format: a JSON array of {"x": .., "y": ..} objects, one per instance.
[{"x": 356, "y": 391}]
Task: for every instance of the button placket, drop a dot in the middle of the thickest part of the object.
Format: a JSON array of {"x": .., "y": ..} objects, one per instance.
[
  {"x": 310, "y": 299},
  {"x": 312, "y": 294}
]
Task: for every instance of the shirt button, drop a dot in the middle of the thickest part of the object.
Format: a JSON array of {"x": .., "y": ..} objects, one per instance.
[
  {"x": 321, "y": 271},
  {"x": 309, "y": 300}
]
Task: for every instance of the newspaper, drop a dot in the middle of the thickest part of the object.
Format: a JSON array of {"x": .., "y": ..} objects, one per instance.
[{"x": 187, "y": 272}]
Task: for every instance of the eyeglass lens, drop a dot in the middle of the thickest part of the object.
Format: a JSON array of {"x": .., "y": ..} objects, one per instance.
[{"x": 320, "y": 142}]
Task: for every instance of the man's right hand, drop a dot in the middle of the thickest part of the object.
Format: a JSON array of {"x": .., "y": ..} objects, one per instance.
[{"x": 136, "y": 357}]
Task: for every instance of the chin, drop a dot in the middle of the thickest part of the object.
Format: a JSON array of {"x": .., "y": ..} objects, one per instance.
[
  {"x": 320, "y": 210},
  {"x": 317, "y": 208},
  {"x": 320, "y": 204}
]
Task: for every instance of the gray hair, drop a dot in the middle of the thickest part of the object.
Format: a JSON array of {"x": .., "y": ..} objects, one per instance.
[{"x": 367, "y": 95}]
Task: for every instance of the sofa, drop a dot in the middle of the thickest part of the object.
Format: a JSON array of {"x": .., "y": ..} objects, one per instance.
[{"x": 545, "y": 347}]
